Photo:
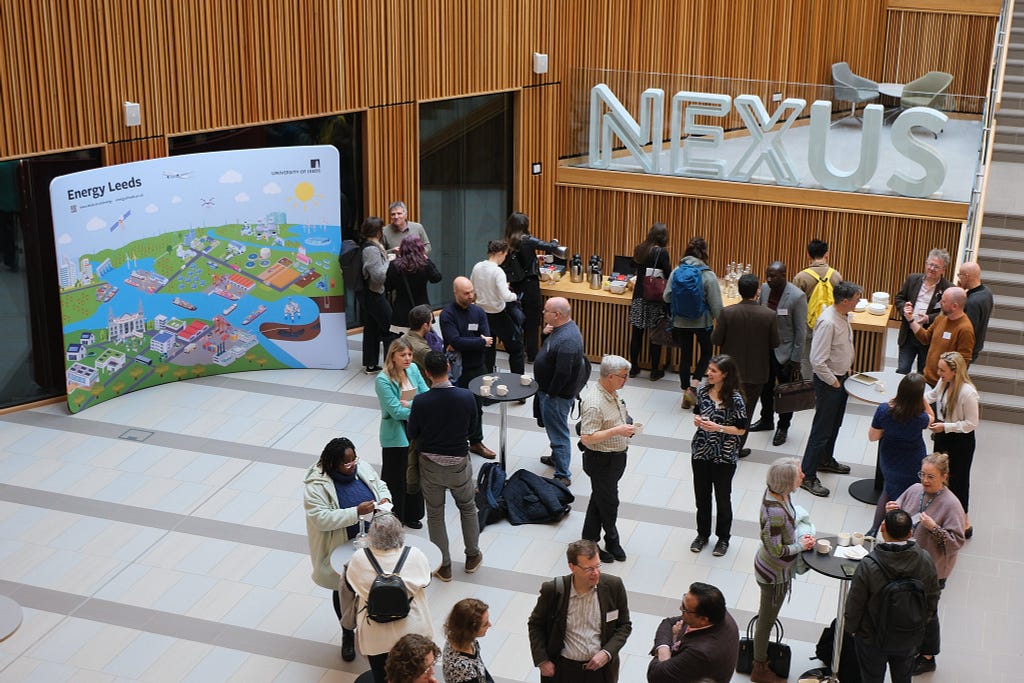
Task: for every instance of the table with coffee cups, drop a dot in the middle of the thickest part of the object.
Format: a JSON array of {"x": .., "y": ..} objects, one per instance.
[
  {"x": 829, "y": 556},
  {"x": 503, "y": 388}
]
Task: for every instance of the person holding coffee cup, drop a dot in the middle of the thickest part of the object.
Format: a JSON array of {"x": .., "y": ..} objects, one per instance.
[{"x": 776, "y": 557}]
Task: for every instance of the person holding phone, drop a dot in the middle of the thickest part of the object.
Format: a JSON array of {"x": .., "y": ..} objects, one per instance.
[{"x": 721, "y": 421}]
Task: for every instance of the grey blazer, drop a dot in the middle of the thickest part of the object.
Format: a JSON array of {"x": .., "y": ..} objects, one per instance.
[{"x": 792, "y": 325}]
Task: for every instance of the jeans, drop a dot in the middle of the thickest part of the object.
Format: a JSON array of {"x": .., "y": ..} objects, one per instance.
[
  {"x": 684, "y": 336},
  {"x": 910, "y": 352},
  {"x": 779, "y": 373},
  {"x": 604, "y": 470},
  {"x": 708, "y": 476},
  {"x": 376, "y": 326},
  {"x": 872, "y": 662},
  {"x": 394, "y": 463},
  {"x": 829, "y": 407},
  {"x": 511, "y": 336},
  {"x": 436, "y": 480},
  {"x": 554, "y": 411}
]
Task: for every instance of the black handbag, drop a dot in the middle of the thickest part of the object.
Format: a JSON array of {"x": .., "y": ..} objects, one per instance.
[
  {"x": 792, "y": 397},
  {"x": 779, "y": 654}
]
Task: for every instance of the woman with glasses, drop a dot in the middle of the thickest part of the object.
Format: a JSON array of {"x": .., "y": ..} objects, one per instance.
[
  {"x": 776, "y": 557},
  {"x": 956, "y": 417},
  {"x": 461, "y": 661},
  {"x": 339, "y": 490},
  {"x": 721, "y": 420},
  {"x": 396, "y": 387},
  {"x": 412, "y": 659},
  {"x": 898, "y": 427},
  {"x": 938, "y": 528}
]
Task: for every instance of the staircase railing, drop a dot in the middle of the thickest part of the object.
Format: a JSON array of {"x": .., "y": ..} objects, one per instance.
[{"x": 975, "y": 211}]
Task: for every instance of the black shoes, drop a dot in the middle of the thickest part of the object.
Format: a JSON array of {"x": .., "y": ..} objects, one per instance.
[
  {"x": 606, "y": 557},
  {"x": 834, "y": 466},
  {"x": 372, "y": 369},
  {"x": 617, "y": 551},
  {"x": 813, "y": 485},
  {"x": 634, "y": 370},
  {"x": 698, "y": 544},
  {"x": 923, "y": 665},
  {"x": 968, "y": 532},
  {"x": 761, "y": 426},
  {"x": 780, "y": 436},
  {"x": 721, "y": 548},
  {"x": 744, "y": 452},
  {"x": 547, "y": 460},
  {"x": 348, "y": 645},
  {"x": 414, "y": 524},
  {"x": 656, "y": 375}
]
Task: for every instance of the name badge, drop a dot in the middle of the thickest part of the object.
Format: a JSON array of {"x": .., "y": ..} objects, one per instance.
[
  {"x": 473, "y": 327},
  {"x": 783, "y": 311},
  {"x": 611, "y": 616},
  {"x": 916, "y": 519},
  {"x": 947, "y": 335}
]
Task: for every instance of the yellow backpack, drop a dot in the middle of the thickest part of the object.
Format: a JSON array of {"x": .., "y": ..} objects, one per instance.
[{"x": 821, "y": 297}]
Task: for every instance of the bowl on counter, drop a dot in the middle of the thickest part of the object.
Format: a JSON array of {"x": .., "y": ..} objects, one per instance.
[
  {"x": 862, "y": 305},
  {"x": 880, "y": 298},
  {"x": 877, "y": 308},
  {"x": 617, "y": 287}
]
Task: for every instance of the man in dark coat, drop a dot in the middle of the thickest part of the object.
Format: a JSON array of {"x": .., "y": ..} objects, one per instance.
[
  {"x": 924, "y": 292},
  {"x": 701, "y": 644},
  {"x": 748, "y": 332},
  {"x": 580, "y": 622}
]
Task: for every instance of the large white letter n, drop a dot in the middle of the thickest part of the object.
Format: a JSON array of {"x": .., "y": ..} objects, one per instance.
[{"x": 634, "y": 135}]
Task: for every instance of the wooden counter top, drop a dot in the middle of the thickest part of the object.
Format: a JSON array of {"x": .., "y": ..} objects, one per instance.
[{"x": 581, "y": 291}]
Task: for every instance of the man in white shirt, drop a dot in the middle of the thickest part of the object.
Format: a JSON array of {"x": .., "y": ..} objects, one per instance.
[
  {"x": 501, "y": 305},
  {"x": 831, "y": 359}
]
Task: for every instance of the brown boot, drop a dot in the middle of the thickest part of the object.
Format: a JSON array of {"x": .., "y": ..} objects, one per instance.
[{"x": 762, "y": 673}]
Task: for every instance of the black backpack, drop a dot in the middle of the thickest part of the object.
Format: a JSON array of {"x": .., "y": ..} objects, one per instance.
[
  {"x": 490, "y": 483},
  {"x": 388, "y": 599},
  {"x": 351, "y": 260},
  {"x": 899, "y": 611},
  {"x": 582, "y": 376}
]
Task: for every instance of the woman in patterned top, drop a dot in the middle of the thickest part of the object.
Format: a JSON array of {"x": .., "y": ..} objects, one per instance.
[
  {"x": 776, "y": 557},
  {"x": 721, "y": 421},
  {"x": 461, "y": 661}
]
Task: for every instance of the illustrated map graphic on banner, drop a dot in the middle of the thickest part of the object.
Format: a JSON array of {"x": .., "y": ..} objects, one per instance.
[{"x": 196, "y": 265}]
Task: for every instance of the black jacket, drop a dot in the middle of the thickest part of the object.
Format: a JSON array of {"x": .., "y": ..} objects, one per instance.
[
  {"x": 532, "y": 499},
  {"x": 908, "y": 293}
]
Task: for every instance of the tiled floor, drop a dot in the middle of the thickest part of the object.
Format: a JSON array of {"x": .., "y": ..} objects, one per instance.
[{"x": 182, "y": 557}]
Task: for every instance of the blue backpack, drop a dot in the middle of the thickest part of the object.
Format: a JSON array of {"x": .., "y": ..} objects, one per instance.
[{"x": 688, "y": 291}]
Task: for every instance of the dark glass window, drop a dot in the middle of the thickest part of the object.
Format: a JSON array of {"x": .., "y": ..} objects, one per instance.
[{"x": 465, "y": 181}]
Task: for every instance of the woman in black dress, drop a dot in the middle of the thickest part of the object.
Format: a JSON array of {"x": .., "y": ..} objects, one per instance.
[
  {"x": 524, "y": 277},
  {"x": 649, "y": 255}
]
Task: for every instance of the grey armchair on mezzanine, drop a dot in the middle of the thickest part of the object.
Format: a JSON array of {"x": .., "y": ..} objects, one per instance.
[
  {"x": 927, "y": 91},
  {"x": 849, "y": 87}
]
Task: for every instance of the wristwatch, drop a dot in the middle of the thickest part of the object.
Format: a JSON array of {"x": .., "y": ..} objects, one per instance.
[{"x": 721, "y": 429}]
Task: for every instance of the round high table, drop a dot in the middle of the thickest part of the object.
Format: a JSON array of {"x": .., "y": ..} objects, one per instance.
[
  {"x": 832, "y": 566},
  {"x": 516, "y": 392},
  {"x": 869, "y": 490},
  {"x": 10, "y": 617},
  {"x": 341, "y": 555}
]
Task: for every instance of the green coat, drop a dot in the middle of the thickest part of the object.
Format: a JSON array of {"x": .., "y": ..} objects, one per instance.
[{"x": 393, "y": 413}]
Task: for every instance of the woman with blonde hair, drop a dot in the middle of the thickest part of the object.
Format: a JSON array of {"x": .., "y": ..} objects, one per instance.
[
  {"x": 956, "y": 401},
  {"x": 461, "y": 661},
  {"x": 396, "y": 387},
  {"x": 939, "y": 529}
]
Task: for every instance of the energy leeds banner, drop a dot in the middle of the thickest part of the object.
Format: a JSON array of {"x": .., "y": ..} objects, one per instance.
[{"x": 198, "y": 265}]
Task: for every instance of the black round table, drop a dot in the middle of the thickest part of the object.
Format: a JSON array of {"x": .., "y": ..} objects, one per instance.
[
  {"x": 516, "y": 392},
  {"x": 832, "y": 566}
]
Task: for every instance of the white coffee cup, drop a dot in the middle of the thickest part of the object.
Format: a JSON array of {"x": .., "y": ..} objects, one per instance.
[
  {"x": 857, "y": 538},
  {"x": 823, "y": 546},
  {"x": 485, "y": 389},
  {"x": 844, "y": 538},
  {"x": 526, "y": 380},
  {"x": 502, "y": 390},
  {"x": 486, "y": 381}
]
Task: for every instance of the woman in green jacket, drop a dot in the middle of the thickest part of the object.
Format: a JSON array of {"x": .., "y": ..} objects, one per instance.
[{"x": 396, "y": 387}]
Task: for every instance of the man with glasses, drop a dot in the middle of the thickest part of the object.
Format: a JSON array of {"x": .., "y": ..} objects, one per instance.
[
  {"x": 605, "y": 430},
  {"x": 580, "y": 622},
  {"x": 702, "y": 644},
  {"x": 920, "y": 298},
  {"x": 557, "y": 370}
]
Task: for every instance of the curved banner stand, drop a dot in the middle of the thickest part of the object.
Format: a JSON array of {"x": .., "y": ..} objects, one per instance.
[{"x": 196, "y": 265}]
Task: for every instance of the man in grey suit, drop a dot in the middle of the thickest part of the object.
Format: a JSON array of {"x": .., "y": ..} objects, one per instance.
[
  {"x": 747, "y": 332},
  {"x": 790, "y": 306}
]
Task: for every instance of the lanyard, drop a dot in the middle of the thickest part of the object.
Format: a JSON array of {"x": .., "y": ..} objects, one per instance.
[{"x": 922, "y": 506}]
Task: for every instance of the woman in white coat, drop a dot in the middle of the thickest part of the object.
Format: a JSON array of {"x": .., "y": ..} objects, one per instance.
[
  {"x": 386, "y": 542},
  {"x": 339, "y": 488}
]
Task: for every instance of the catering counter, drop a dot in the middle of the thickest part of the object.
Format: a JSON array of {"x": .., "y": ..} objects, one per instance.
[{"x": 603, "y": 319}]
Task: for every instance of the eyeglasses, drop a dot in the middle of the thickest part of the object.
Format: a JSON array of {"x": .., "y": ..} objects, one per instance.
[
  {"x": 927, "y": 476},
  {"x": 590, "y": 570},
  {"x": 934, "y": 266},
  {"x": 623, "y": 376}
]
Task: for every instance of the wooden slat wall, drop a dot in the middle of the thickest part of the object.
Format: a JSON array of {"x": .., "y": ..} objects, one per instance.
[
  {"x": 134, "y": 150},
  {"x": 535, "y": 142},
  {"x": 958, "y": 44},
  {"x": 392, "y": 161},
  {"x": 874, "y": 251}
]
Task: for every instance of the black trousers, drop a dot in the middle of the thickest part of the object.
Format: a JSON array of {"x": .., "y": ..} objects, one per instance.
[
  {"x": 960, "y": 449},
  {"x": 779, "y": 374},
  {"x": 533, "y": 306},
  {"x": 568, "y": 671},
  {"x": 604, "y": 470},
  {"x": 408, "y": 506},
  {"x": 636, "y": 341},
  {"x": 684, "y": 336},
  {"x": 376, "y": 326},
  {"x": 511, "y": 336},
  {"x": 710, "y": 477},
  {"x": 377, "y": 663},
  {"x": 750, "y": 392},
  {"x": 872, "y": 661}
]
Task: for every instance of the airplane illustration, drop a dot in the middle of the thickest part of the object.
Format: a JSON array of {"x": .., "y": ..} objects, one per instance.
[
  {"x": 182, "y": 175},
  {"x": 206, "y": 202},
  {"x": 120, "y": 221}
]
